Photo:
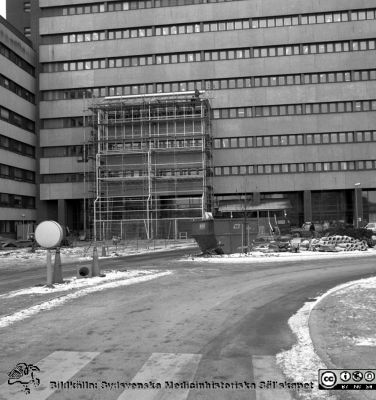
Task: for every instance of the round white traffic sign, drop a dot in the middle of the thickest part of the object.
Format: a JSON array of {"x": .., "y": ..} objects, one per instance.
[{"x": 49, "y": 234}]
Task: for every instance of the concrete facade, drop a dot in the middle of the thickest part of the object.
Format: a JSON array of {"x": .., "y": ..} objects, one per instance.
[
  {"x": 17, "y": 133},
  {"x": 292, "y": 86},
  {"x": 19, "y": 15}
]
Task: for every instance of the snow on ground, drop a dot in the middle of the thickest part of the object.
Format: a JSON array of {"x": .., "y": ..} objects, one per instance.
[
  {"x": 358, "y": 304},
  {"x": 78, "y": 288},
  {"x": 24, "y": 258},
  {"x": 77, "y": 283},
  {"x": 365, "y": 341},
  {"x": 301, "y": 363},
  {"x": 258, "y": 256}
]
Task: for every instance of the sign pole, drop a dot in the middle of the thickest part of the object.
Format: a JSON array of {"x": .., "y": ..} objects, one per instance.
[
  {"x": 49, "y": 234},
  {"x": 57, "y": 273},
  {"x": 50, "y": 270}
]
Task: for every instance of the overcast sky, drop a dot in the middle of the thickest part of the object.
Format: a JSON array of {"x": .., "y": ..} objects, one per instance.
[{"x": 2, "y": 8}]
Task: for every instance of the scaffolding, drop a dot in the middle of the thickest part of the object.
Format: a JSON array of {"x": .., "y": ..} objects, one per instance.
[{"x": 153, "y": 165}]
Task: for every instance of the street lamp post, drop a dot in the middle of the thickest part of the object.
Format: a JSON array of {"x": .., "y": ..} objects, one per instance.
[{"x": 357, "y": 186}]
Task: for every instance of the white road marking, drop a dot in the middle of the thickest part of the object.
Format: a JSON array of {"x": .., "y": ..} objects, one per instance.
[
  {"x": 162, "y": 367},
  {"x": 59, "y": 366},
  {"x": 265, "y": 369}
]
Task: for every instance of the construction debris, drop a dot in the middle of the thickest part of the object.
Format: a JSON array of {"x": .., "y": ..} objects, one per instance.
[{"x": 337, "y": 243}]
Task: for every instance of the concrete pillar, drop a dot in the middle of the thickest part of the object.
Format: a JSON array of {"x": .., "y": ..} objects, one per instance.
[
  {"x": 256, "y": 198},
  {"x": 95, "y": 271},
  {"x": 62, "y": 212},
  {"x": 358, "y": 207},
  {"x": 307, "y": 205}
]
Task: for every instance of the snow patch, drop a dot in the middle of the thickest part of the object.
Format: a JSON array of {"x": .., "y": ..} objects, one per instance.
[
  {"x": 363, "y": 341},
  {"x": 48, "y": 305},
  {"x": 77, "y": 283},
  {"x": 301, "y": 362},
  {"x": 260, "y": 257}
]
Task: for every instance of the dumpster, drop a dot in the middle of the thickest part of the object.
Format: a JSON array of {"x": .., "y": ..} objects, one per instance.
[
  {"x": 231, "y": 235},
  {"x": 203, "y": 233}
]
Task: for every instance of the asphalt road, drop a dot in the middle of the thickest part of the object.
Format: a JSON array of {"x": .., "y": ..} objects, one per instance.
[
  {"x": 204, "y": 322},
  {"x": 13, "y": 279}
]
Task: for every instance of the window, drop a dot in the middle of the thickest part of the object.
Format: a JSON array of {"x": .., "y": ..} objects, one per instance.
[
  {"x": 27, "y": 6},
  {"x": 287, "y": 21},
  {"x": 4, "y": 114}
]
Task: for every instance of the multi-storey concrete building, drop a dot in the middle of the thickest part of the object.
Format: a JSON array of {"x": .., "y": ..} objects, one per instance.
[
  {"x": 291, "y": 87},
  {"x": 19, "y": 15},
  {"x": 17, "y": 132}
]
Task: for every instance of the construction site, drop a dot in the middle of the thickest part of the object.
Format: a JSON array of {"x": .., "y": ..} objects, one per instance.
[{"x": 153, "y": 165}]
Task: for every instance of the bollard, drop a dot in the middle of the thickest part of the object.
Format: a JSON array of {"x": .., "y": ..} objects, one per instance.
[
  {"x": 103, "y": 251},
  {"x": 95, "y": 266},
  {"x": 57, "y": 274},
  {"x": 50, "y": 271}
]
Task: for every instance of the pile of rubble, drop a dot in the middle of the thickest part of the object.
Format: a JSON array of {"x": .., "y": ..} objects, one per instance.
[
  {"x": 269, "y": 244},
  {"x": 335, "y": 243}
]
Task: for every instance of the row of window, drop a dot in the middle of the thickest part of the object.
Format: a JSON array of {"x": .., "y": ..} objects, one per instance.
[
  {"x": 16, "y": 59},
  {"x": 213, "y": 55},
  {"x": 269, "y": 22},
  {"x": 293, "y": 168},
  {"x": 307, "y": 167},
  {"x": 226, "y": 143},
  {"x": 188, "y": 127},
  {"x": 212, "y": 26},
  {"x": 16, "y": 174},
  {"x": 70, "y": 178},
  {"x": 77, "y": 151},
  {"x": 60, "y": 123},
  {"x": 156, "y": 144},
  {"x": 240, "y": 112},
  {"x": 16, "y": 146},
  {"x": 120, "y": 6},
  {"x": 213, "y": 84},
  {"x": 166, "y": 172},
  {"x": 63, "y": 151},
  {"x": 313, "y": 18},
  {"x": 62, "y": 178},
  {"x": 295, "y": 140},
  {"x": 16, "y": 201},
  {"x": 15, "y": 88},
  {"x": 16, "y": 119},
  {"x": 9, "y": 226},
  {"x": 295, "y": 109}
]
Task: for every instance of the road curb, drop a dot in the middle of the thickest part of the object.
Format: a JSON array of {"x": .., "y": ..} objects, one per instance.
[{"x": 322, "y": 323}]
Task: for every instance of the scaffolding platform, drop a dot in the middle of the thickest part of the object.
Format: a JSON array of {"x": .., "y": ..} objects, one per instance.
[{"x": 153, "y": 164}]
